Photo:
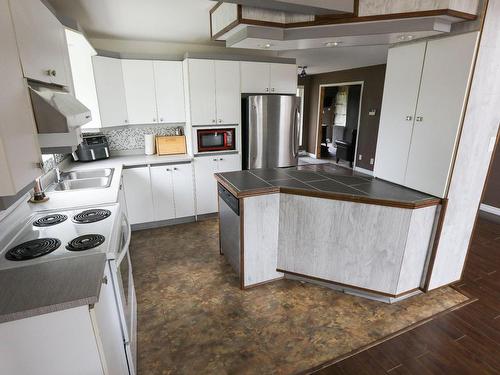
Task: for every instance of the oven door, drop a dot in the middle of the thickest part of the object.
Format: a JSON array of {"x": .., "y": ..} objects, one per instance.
[
  {"x": 215, "y": 139},
  {"x": 125, "y": 294}
]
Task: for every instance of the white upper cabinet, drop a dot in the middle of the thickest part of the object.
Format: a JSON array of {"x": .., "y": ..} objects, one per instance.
[
  {"x": 402, "y": 81},
  {"x": 283, "y": 79},
  {"x": 19, "y": 149},
  {"x": 255, "y": 77},
  {"x": 422, "y": 108},
  {"x": 227, "y": 90},
  {"x": 441, "y": 102},
  {"x": 139, "y": 82},
  {"x": 202, "y": 92},
  {"x": 266, "y": 78},
  {"x": 169, "y": 85},
  {"x": 41, "y": 42},
  {"x": 110, "y": 91}
]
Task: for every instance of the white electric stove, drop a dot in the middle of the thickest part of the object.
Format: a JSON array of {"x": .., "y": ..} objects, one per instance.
[{"x": 49, "y": 235}]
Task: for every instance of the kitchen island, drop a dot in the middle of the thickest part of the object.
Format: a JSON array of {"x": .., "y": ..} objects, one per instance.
[{"x": 326, "y": 224}]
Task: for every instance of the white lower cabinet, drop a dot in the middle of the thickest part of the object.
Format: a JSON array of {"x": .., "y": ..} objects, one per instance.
[
  {"x": 160, "y": 192},
  {"x": 137, "y": 186},
  {"x": 206, "y": 185}
]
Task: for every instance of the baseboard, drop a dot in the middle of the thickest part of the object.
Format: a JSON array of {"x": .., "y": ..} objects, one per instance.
[
  {"x": 490, "y": 209},
  {"x": 362, "y": 170}
]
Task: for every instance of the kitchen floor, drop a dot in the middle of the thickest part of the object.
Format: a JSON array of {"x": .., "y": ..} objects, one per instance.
[{"x": 193, "y": 318}]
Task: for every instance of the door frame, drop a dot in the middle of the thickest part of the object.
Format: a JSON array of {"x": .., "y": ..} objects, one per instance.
[{"x": 321, "y": 94}]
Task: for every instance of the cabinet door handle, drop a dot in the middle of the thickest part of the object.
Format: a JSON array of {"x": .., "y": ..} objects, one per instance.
[
  {"x": 409, "y": 118},
  {"x": 267, "y": 89},
  {"x": 215, "y": 160},
  {"x": 105, "y": 280},
  {"x": 221, "y": 159},
  {"x": 161, "y": 119},
  {"x": 213, "y": 121},
  {"x": 220, "y": 120},
  {"x": 154, "y": 120},
  {"x": 51, "y": 72},
  {"x": 272, "y": 90},
  {"x": 125, "y": 121},
  {"x": 168, "y": 169},
  {"x": 419, "y": 118},
  {"x": 175, "y": 169}
]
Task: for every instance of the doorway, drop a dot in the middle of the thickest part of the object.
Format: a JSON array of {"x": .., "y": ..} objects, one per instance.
[{"x": 339, "y": 110}]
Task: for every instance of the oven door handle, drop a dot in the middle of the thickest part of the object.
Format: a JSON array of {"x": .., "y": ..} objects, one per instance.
[{"x": 124, "y": 249}]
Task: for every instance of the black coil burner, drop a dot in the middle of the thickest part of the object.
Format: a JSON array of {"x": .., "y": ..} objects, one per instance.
[
  {"x": 91, "y": 216},
  {"x": 85, "y": 242},
  {"x": 49, "y": 220},
  {"x": 33, "y": 249}
]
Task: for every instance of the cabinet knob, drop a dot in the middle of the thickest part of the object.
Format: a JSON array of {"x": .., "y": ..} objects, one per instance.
[
  {"x": 168, "y": 169},
  {"x": 221, "y": 159},
  {"x": 161, "y": 119},
  {"x": 419, "y": 118},
  {"x": 175, "y": 169},
  {"x": 409, "y": 118},
  {"x": 272, "y": 89},
  {"x": 213, "y": 121},
  {"x": 154, "y": 120},
  {"x": 215, "y": 160},
  {"x": 220, "y": 121},
  {"x": 267, "y": 89},
  {"x": 125, "y": 121}
]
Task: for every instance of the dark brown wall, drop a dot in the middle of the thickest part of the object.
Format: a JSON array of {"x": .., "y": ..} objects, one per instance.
[
  {"x": 492, "y": 191},
  {"x": 373, "y": 78}
]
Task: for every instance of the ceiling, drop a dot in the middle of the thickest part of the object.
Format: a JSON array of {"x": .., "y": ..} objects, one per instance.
[
  {"x": 187, "y": 21},
  {"x": 183, "y": 21}
]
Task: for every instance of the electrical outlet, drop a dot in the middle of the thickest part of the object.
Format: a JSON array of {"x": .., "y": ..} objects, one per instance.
[
  {"x": 360, "y": 157},
  {"x": 372, "y": 160}
]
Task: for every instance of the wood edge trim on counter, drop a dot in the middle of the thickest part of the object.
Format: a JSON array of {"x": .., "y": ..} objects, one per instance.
[
  {"x": 371, "y": 291},
  {"x": 388, "y": 337},
  {"x": 263, "y": 282},
  {"x": 340, "y": 19},
  {"x": 327, "y": 195},
  {"x": 435, "y": 244},
  {"x": 242, "y": 244}
]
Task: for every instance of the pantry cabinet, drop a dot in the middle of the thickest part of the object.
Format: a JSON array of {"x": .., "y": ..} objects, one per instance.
[
  {"x": 424, "y": 97},
  {"x": 206, "y": 185},
  {"x": 213, "y": 92},
  {"x": 268, "y": 78},
  {"x": 41, "y": 41},
  {"x": 108, "y": 77},
  {"x": 140, "y": 96},
  {"x": 169, "y": 86}
]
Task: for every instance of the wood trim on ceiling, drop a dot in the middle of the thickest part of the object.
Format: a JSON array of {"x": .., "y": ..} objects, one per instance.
[
  {"x": 341, "y": 19},
  {"x": 326, "y": 195},
  {"x": 229, "y": 27},
  {"x": 371, "y": 291}
]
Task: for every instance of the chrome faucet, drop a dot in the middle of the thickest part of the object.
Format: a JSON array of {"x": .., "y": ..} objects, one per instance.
[{"x": 58, "y": 175}]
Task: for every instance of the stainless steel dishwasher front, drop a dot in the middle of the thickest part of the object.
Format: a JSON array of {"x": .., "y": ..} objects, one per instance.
[{"x": 230, "y": 230}]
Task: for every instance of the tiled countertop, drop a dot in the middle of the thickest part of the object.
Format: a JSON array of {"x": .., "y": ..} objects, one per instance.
[{"x": 324, "y": 181}]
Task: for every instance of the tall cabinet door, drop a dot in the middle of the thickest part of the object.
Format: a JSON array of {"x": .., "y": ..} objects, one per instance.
[
  {"x": 283, "y": 79},
  {"x": 402, "y": 81},
  {"x": 445, "y": 78},
  {"x": 108, "y": 78},
  {"x": 206, "y": 185},
  {"x": 163, "y": 192},
  {"x": 227, "y": 89},
  {"x": 183, "y": 190},
  {"x": 137, "y": 186},
  {"x": 138, "y": 79},
  {"x": 169, "y": 85},
  {"x": 202, "y": 92}
]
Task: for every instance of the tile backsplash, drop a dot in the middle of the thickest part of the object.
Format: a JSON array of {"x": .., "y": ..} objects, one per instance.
[{"x": 131, "y": 137}]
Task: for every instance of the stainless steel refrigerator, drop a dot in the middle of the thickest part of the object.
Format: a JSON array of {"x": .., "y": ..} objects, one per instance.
[{"x": 270, "y": 131}]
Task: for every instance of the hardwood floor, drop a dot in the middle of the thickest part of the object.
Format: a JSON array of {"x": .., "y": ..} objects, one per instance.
[{"x": 464, "y": 341}]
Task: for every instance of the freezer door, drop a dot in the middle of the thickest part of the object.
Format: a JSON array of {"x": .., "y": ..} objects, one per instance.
[{"x": 272, "y": 131}]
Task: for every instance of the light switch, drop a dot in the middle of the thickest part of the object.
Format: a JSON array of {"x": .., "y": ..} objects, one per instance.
[
  {"x": 360, "y": 157},
  {"x": 372, "y": 160},
  {"x": 372, "y": 112}
]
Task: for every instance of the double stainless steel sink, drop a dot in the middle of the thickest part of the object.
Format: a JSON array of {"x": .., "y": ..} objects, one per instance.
[{"x": 85, "y": 179}]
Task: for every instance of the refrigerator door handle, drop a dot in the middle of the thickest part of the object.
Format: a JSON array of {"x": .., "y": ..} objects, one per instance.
[{"x": 296, "y": 133}]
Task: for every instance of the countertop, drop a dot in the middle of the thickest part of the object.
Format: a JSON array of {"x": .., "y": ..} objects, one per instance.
[
  {"x": 59, "y": 200},
  {"x": 50, "y": 286},
  {"x": 324, "y": 181}
]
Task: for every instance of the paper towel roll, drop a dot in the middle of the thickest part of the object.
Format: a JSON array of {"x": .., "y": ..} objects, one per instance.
[{"x": 149, "y": 144}]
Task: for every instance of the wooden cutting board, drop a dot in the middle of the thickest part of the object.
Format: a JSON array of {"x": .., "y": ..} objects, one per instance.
[{"x": 171, "y": 145}]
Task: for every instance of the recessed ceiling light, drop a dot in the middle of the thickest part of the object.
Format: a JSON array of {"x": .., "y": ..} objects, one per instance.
[
  {"x": 333, "y": 44},
  {"x": 267, "y": 45},
  {"x": 405, "y": 37}
]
